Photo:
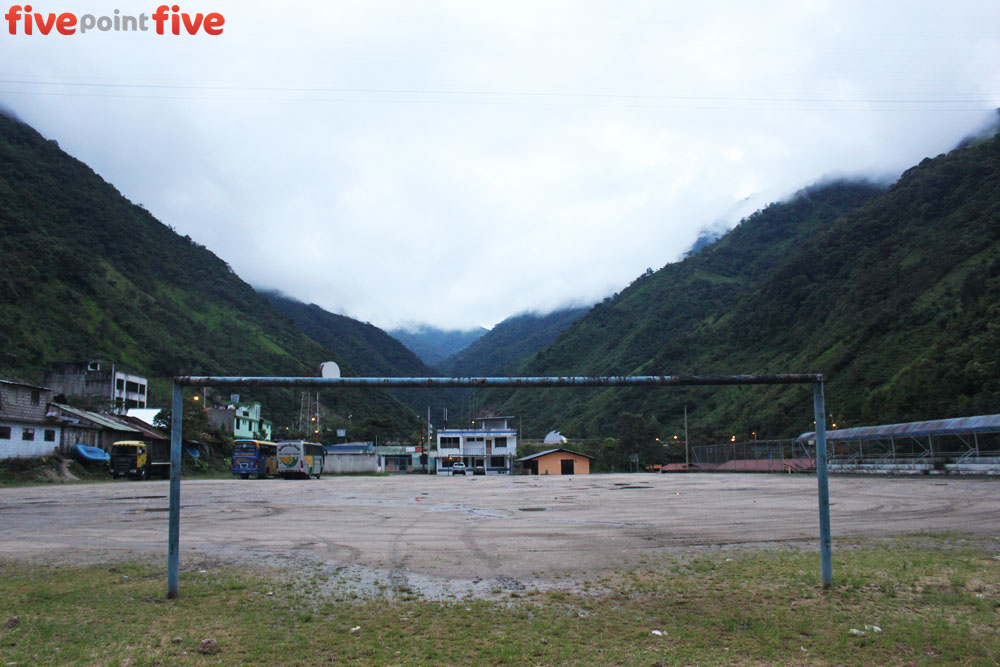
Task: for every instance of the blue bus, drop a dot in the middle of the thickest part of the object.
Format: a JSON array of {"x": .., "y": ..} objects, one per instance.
[{"x": 254, "y": 457}]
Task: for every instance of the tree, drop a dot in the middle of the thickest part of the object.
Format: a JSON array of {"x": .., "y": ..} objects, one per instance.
[{"x": 196, "y": 424}]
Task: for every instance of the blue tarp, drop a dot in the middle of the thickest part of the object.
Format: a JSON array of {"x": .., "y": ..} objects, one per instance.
[
  {"x": 192, "y": 451},
  {"x": 88, "y": 453}
]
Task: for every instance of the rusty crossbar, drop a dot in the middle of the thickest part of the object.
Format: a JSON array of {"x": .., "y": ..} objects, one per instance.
[
  {"x": 173, "y": 539},
  {"x": 473, "y": 382}
]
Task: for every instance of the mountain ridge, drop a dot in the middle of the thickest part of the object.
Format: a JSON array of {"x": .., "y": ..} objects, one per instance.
[
  {"x": 88, "y": 274},
  {"x": 882, "y": 291}
]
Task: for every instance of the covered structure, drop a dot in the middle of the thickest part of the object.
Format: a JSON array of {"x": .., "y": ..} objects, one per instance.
[
  {"x": 351, "y": 458},
  {"x": 84, "y": 427},
  {"x": 961, "y": 444},
  {"x": 556, "y": 462}
]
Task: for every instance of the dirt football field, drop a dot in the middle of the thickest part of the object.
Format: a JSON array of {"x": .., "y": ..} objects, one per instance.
[{"x": 466, "y": 535}]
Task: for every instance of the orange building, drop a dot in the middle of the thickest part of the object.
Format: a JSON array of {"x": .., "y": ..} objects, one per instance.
[{"x": 556, "y": 462}]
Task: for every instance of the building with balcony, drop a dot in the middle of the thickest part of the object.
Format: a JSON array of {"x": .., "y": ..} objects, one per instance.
[
  {"x": 241, "y": 420},
  {"x": 97, "y": 385},
  {"x": 488, "y": 447}
]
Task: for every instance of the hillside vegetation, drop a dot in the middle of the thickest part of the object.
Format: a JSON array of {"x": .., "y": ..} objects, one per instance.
[
  {"x": 434, "y": 345},
  {"x": 373, "y": 352},
  {"x": 893, "y": 295},
  {"x": 87, "y": 274},
  {"x": 508, "y": 346}
]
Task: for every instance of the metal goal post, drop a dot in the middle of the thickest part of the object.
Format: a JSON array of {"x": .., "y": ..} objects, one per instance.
[{"x": 177, "y": 425}]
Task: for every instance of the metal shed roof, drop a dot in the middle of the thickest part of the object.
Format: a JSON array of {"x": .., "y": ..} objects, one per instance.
[
  {"x": 981, "y": 424},
  {"x": 552, "y": 451},
  {"x": 101, "y": 420},
  {"x": 353, "y": 448},
  {"x": 15, "y": 383}
]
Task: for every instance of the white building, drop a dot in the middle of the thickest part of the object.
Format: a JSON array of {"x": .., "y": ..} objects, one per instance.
[
  {"x": 26, "y": 428},
  {"x": 488, "y": 447},
  {"x": 97, "y": 385}
]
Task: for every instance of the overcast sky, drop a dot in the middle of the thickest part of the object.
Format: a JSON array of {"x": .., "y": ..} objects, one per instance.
[{"x": 455, "y": 162}]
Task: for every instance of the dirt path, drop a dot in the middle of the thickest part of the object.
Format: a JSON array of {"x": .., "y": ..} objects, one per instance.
[{"x": 458, "y": 534}]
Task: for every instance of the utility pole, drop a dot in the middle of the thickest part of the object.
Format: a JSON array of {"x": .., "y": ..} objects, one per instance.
[{"x": 687, "y": 455}]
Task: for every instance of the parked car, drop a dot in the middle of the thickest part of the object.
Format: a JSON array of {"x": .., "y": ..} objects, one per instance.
[{"x": 458, "y": 468}]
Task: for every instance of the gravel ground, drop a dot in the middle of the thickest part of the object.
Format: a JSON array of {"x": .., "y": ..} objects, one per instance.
[{"x": 445, "y": 537}]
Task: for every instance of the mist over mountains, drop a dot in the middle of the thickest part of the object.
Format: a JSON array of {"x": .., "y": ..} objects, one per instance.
[{"x": 891, "y": 291}]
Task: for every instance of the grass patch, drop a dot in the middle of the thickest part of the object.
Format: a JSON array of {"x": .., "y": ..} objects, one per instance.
[
  {"x": 47, "y": 470},
  {"x": 935, "y": 600}
]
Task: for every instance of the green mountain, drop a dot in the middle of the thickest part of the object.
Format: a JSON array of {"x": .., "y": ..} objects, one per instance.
[
  {"x": 434, "y": 345},
  {"x": 506, "y": 348},
  {"x": 87, "y": 274},
  {"x": 894, "y": 296},
  {"x": 371, "y": 351}
]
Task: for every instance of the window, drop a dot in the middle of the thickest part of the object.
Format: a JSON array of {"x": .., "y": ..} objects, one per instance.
[
  {"x": 142, "y": 389},
  {"x": 50, "y": 435},
  {"x": 4, "y": 432},
  {"x": 120, "y": 384},
  {"x": 499, "y": 442},
  {"x": 36, "y": 396},
  {"x": 498, "y": 462},
  {"x": 450, "y": 441},
  {"x": 28, "y": 434}
]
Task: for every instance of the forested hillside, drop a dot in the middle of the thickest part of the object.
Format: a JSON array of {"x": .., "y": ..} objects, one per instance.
[
  {"x": 87, "y": 274},
  {"x": 434, "y": 345},
  {"x": 894, "y": 296},
  {"x": 372, "y": 351},
  {"x": 509, "y": 345}
]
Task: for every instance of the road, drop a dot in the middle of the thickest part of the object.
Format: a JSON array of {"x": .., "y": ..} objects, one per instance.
[{"x": 461, "y": 533}]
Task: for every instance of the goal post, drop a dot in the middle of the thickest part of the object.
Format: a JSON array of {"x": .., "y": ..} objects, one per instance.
[{"x": 177, "y": 424}]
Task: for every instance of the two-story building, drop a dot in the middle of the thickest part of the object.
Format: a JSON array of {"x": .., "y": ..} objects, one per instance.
[
  {"x": 488, "y": 447},
  {"x": 26, "y": 429},
  {"x": 97, "y": 385},
  {"x": 242, "y": 420}
]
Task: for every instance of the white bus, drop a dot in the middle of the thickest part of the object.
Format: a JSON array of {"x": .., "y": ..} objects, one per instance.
[{"x": 298, "y": 458}]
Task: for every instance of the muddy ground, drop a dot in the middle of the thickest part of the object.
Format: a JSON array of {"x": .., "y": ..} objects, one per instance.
[{"x": 446, "y": 536}]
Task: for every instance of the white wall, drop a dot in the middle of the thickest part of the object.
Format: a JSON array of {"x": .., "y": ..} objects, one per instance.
[{"x": 16, "y": 447}]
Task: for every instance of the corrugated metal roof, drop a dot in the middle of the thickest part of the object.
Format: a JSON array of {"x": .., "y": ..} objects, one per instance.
[
  {"x": 99, "y": 419},
  {"x": 477, "y": 431},
  {"x": 552, "y": 451},
  {"x": 142, "y": 427},
  {"x": 350, "y": 449},
  {"x": 24, "y": 384},
  {"x": 394, "y": 450},
  {"x": 980, "y": 424}
]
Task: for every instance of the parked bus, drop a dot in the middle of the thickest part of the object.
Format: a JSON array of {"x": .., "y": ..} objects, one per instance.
[
  {"x": 254, "y": 457},
  {"x": 297, "y": 458}
]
